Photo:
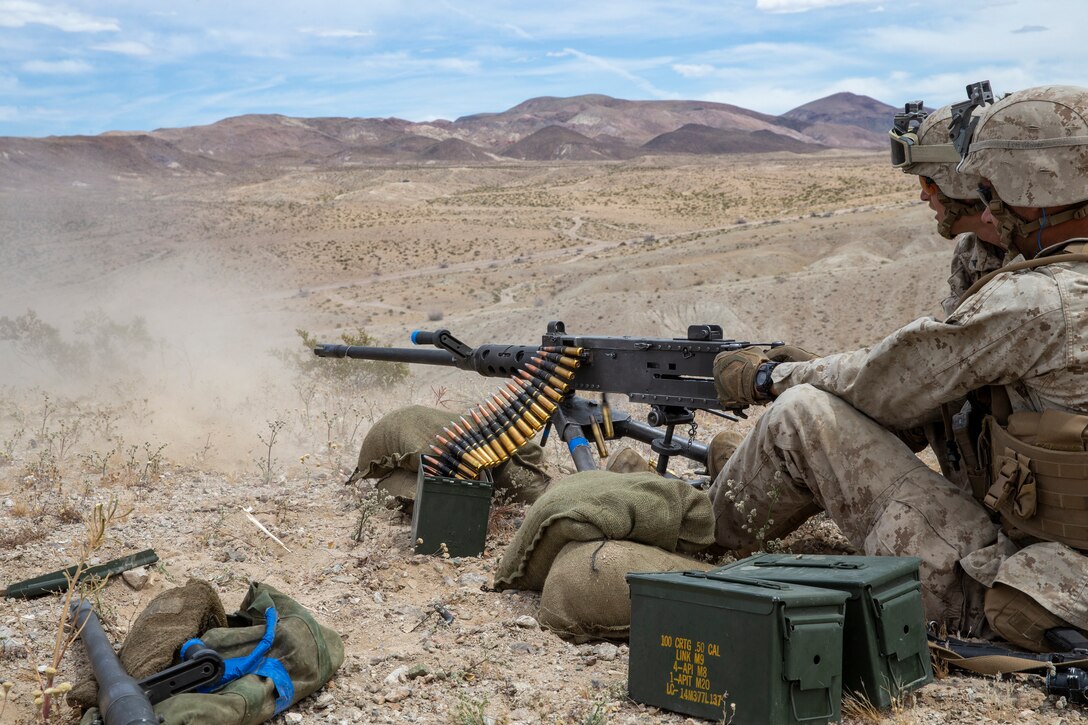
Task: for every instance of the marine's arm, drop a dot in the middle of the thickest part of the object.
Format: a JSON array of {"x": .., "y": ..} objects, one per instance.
[{"x": 1011, "y": 330}]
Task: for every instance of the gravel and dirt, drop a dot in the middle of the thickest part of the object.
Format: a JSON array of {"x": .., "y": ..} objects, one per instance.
[{"x": 149, "y": 355}]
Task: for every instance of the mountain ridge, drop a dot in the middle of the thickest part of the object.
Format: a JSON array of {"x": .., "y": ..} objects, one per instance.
[{"x": 584, "y": 127}]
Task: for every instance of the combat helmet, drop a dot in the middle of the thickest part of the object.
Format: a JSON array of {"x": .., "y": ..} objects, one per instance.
[
  {"x": 1032, "y": 147},
  {"x": 921, "y": 146}
]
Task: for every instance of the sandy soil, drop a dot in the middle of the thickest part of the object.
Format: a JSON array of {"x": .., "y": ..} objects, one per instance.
[{"x": 164, "y": 370}]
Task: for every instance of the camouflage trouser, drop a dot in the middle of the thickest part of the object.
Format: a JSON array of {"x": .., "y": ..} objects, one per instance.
[{"x": 811, "y": 451}]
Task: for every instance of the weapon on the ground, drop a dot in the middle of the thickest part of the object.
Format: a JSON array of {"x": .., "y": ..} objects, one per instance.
[
  {"x": 1061, "y": 669},
  {"x": 121, "y": 699},
  {"x": 1072, "y": 684},
  {"x": 673, "y": 376},
  {"x": 59, "y": 581}
]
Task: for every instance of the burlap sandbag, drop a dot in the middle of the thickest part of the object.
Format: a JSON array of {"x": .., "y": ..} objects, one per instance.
[
  {"x": 309, "y": 651},
  {"x": 169, "y": 620},
  {"x": 626, "y": 460},
  {"x": 586, "y": 594},
  {"x": 392, "y": 448},
  {"x": 596, "y": 505}
]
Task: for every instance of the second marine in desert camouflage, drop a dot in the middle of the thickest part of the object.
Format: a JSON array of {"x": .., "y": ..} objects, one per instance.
[{"x": 1002, "y": 551}]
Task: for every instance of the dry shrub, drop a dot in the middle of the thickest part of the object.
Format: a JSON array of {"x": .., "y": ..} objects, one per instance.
[{"x": 20, "y": 536}]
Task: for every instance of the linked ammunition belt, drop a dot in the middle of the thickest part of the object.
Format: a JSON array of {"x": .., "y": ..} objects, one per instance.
[{"x": 489, "y": 434}]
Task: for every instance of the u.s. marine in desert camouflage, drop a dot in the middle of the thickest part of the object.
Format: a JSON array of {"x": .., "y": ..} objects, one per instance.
[
  {"x": 921, "y": 146},
  {"x": 826, "y": 442}
]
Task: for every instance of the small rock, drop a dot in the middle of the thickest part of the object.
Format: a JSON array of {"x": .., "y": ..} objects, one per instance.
[
  {"x": 527, "y": 622},
  {"x": 136, "y": 578},
  {"x": 606, "y": 651},
  {"x": 292, "y": 717},
  {"x": 397, "y": 676},
  {"x": 323, "y": 700},
  {"x": 523, "y": 648},
  {"x": 378, "y": 598},
  {"x": 401, "y": 693},
  {"x": 1061, "y": 703},
  {"x": 234, "y": 555},
  {"x": 415, "y": 671},
  {"x": 472, "y": 579}
]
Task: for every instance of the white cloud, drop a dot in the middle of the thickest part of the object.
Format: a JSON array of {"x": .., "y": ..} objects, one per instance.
[
  {"x": 617, "y": 69},
  {"x": 336, "y": 32},
  {"x": 17, "y": 13},
  {"x": 693, "y": 70},
  {"x": 126, "y": 47},
  {"x": 8, "y": 113},
  {"x": 516, "y": 31},
  {"x": 800, "y": 6},
  {"x": 457, "y": 65},
  {"x": 57, "y": 67}
]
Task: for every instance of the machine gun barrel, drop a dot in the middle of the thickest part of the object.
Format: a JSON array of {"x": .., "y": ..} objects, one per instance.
[
  {"x": 121, "y": 700},
  {"x": 493, "y": 361}
]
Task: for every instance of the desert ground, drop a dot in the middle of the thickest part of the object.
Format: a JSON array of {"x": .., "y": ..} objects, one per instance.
[{"x": 150, "y": 353}]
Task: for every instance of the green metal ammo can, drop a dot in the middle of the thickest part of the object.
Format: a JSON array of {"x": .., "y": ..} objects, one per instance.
[
  {"x": 723, "y": 646},
  {"x": 453, "y": 512},
  {"x": 884, "y": 645}
]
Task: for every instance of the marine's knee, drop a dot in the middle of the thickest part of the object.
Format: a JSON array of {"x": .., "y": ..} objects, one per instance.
[{"x": 802, "y": 405}]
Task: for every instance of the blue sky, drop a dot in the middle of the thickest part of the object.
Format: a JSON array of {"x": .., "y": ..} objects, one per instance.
[{"x": 84, "y": 67}]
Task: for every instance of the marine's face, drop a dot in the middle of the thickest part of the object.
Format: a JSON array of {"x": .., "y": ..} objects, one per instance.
[
  {"x": 964, "y": 221},
  {"x": 930, "y": 194}
]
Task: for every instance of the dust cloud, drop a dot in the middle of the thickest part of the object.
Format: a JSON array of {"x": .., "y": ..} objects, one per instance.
[{"x": 145, "y": 349}]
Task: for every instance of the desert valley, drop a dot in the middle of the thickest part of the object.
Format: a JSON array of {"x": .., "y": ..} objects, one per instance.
[{"x": 157, "y": 289}]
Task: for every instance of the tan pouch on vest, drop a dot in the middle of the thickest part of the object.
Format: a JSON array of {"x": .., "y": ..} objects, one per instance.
[
  {"x": 1020, "y": 619},
  {"x": 1039, "y": 475}
]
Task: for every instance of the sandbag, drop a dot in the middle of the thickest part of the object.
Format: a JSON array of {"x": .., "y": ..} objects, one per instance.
[
  {"x": 596, "y": 505},
  {"x": 310, "y": 653},
  {"x": 627, "y": 460},
  {"x": 172, "y": 617},
  {"x": 391, "y": 453},
  {"x": 586, "y": 594}
]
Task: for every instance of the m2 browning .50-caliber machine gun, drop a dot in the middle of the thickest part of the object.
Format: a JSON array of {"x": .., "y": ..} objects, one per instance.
[{"x": 673, "y": 376}]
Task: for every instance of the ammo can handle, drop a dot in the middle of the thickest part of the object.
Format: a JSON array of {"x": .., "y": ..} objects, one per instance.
[
  {"x": 737, "y": 580},
  {"x": 812, "y": 564}
]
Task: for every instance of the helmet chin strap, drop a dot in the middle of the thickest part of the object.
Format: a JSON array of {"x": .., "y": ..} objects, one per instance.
[
  {"x": 954, "y": 210},
  {"x": 1011, "y": 227}
]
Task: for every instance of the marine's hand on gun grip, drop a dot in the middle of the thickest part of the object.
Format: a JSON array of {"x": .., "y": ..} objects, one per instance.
[
  {"x": 735, "y": 376},
  {"x": 790, "y": 353}
]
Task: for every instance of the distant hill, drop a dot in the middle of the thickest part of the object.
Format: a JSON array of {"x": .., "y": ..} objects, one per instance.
[
  {"x": 454, "y": 149},
  {"x": 694, "y": 138},
  {"x": 554, "y": 143},
  {"x": 578, "y": 128},
  {"x": 844, "y": 109},
  {"x": 96, "y": 157}
]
